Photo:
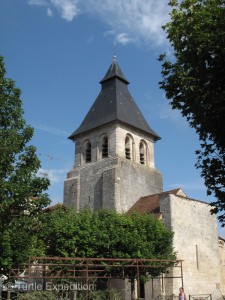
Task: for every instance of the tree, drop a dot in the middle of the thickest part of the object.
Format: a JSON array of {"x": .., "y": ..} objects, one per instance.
[
  {"x": 22, "y": 194},
  {"x": 105, "y": 234},
  {"x": 194, "y": 81}
]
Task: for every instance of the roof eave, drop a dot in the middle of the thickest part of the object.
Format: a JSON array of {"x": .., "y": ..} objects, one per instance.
[
  {"x": 76, "y": 133},
  {"x": 115, "y": 76}
]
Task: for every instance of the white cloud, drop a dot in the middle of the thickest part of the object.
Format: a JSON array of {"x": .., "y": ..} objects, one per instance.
[
  {"x": 51, "y": 130},
  {"x": 90, "y": 39},
  {"x": 49, "y": 12},
  {"x": 54, "y": 175},
  {"x": 123, "y": 38},
  {"x": 196, "y": 185},
  {"x": 166, "y": 112},
  {"x": 141, "y": 20},
  {"x": 129, "y": 20},
  {"x": 161, "y": 108},
  {"x": 68, "y": 8},
  {"x": 109, "y": 33},
  {"x": 37, "y": 2}
]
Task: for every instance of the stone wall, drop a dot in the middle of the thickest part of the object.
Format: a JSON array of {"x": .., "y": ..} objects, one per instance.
[
  {"x": 111, "y": 183},
  {"x": 222, "y": 263},
  {"x": 196, "y": 243},
  {"x": 116, "y": 133},
  {"x": 137, "y": 136},
  {"x": 114, "y": 182},
  {"x": 135, "y": 181}
]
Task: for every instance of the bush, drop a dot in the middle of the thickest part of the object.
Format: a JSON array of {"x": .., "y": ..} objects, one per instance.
[{"x": 37, "y": 295}]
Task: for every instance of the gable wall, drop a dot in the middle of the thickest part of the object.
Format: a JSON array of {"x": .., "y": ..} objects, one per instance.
[{"x": 196, "y": 242}]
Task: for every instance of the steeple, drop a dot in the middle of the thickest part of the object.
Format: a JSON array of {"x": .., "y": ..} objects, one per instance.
[
  {"x": 114, "y": 151},
  {"x": 114, "y": 103},
  {"x": 114, "y": 71}
]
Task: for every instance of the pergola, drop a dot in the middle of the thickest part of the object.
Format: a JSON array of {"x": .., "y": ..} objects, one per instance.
[{"x": 52, "y": 270}]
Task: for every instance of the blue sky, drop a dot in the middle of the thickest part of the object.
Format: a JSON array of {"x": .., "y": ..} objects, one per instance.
[{"x": 57, "y": 51}]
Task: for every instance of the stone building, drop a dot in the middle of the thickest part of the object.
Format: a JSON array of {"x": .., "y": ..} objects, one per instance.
[
  {"x": 114, "y": 168},
  {"x": 195, "y": 241},
  {"x": 114, "y": 160}
]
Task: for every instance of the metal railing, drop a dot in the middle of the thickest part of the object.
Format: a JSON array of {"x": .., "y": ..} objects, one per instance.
[{"x": 200, "y": 297}]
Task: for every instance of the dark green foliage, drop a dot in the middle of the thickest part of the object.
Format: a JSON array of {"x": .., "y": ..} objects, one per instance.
[
  {"x": 48, "y": 295},
  {"x": 194, "y": 81},
  {"x": 37, "y": 295},
  {"x": 105, "y": 234},
  {"x": 21, "y": 191}
]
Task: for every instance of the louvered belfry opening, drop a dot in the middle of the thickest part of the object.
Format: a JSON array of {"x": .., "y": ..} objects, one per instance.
[
  {"x": 105, "y": 149},
  {"x": 142, "y": 153},
  {"x": 127, "y": 148},
  {"x": 88, "y": 152}
]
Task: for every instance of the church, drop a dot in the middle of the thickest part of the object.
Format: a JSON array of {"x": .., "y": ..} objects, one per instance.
[{"x": 114, "y": 169}]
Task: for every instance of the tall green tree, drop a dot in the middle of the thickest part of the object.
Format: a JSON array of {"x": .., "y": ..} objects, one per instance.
[
  {"x": 194, "y": 82},
  {"x": 22, "y": 194}
]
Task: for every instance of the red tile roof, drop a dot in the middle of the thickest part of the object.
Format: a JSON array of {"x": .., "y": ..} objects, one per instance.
[{"x": 151, "y": 203}]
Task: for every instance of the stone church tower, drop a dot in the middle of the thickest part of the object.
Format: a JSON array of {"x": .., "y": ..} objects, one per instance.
[
  {"x": 114, "y": 160},
  {"x": 114, "y": 169}
]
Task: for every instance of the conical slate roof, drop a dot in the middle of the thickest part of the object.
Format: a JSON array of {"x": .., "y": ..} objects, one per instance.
[
  {"x": 114, "y": 71},
  {"x": 114, "y": 103}
]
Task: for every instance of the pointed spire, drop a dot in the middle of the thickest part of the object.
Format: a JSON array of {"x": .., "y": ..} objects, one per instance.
[
  {"x": 114, "y": 103},
  {"x": 114, "y": 71}
]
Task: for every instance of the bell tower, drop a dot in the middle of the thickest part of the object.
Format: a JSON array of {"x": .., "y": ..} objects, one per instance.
[{"x": 114, "y": 151}]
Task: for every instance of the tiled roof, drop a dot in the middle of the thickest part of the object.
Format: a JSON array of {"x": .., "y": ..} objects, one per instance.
[
  {"x": 151, "y": 203},
  {"x": 55, "y": 207},
  {"x": 114, "y": 103},
  {"x": 146, "y": 204}
]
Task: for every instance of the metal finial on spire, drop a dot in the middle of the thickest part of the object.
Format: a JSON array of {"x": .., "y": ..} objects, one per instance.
[{"x": 114, "y": 56}]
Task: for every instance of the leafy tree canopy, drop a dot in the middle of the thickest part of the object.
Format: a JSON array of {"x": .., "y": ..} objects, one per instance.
[
  {"x": 105, "y": 234},
  {"x": 194, "y": 81},
  {"x": 21, "y": 190}
]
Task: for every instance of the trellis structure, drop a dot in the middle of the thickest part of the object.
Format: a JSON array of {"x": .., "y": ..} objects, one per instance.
[{"x": 52, "y": 270}]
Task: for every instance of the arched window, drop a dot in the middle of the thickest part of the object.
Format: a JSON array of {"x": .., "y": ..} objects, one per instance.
[
  {"x": 88, "y": 152},
  {"x": 128, "y": 147},
  {"x": 142, "y": 153},
  {"x": 105, "y": 148}
]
